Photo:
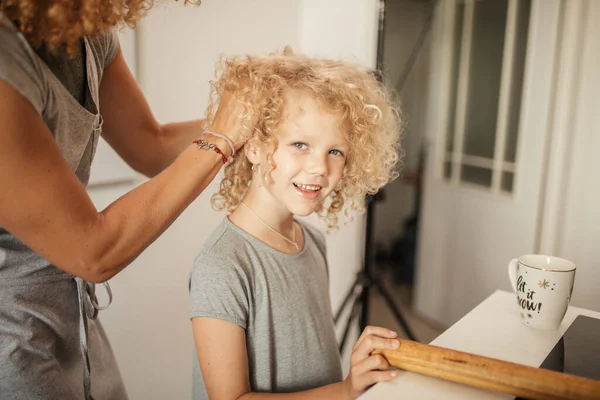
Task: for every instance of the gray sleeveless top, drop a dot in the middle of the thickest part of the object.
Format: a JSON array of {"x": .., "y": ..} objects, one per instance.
[{"x": 51, "y": 345}]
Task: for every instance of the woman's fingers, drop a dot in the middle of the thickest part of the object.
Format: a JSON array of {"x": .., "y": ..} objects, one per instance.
[{"x": 229, "y": 117}]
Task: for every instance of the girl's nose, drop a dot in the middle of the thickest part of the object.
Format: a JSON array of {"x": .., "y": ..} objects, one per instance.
[{"x": 318, "y": 164}]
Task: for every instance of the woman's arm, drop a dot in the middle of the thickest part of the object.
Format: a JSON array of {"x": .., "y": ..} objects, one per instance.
[
  {"x": 223, "y": 360},
  {"x": 130, "y": 127},
  {"x": 45, "y": 206}
]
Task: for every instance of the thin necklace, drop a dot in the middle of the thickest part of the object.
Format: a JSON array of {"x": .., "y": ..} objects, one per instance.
[{"x": 293, "y": 241}]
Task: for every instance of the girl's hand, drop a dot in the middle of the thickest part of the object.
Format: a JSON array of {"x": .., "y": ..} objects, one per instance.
[{"x": 367, "y": 369}]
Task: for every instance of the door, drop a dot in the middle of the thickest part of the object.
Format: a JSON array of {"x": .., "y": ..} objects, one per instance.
[{"x": 487, "y": 123}]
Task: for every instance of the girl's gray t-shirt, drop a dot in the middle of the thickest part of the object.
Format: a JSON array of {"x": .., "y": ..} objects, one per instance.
[
  {"x": 280, "y": 300},
  {"x": 40, "y": 317}
]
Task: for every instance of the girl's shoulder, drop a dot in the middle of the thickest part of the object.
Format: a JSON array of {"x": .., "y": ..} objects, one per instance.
[
  {"x": 316, "y": 236},
  {"x": 226, "y": 248},
  {"x": 231, "y": 247},
  {"x": 224, "y": 238}
]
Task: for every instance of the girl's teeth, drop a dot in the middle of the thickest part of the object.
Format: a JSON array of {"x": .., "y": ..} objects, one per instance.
[{"x": 310, "y": 187}]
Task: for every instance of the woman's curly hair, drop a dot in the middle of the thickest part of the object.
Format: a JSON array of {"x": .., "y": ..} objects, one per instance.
[
  {"x": 58, "y": 23},
  {"x": 370, "y": 121}
]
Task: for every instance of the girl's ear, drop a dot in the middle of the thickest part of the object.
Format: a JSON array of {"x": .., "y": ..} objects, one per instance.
[{"x": 252, "y": 149}]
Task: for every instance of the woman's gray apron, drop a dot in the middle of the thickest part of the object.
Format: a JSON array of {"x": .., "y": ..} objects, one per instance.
[{"x": 51, "y": 344}]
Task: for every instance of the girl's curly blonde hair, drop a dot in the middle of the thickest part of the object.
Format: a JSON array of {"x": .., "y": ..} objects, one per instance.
[
  {"x": 370, "y": 121},
  {"x": 63, "y": 22}
]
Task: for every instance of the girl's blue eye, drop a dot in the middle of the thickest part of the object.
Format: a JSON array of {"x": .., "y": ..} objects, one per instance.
[
  {"x": 300, "y": 145},
  {"x": 336, "y": 153}
]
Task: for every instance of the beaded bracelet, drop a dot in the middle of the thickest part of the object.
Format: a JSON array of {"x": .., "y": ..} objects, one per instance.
[
  {"x": 216, "y": 134},
  {"x": 205, "y": 145}
]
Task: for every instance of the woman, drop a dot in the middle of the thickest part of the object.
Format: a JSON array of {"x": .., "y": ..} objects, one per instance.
[{"x": 63, "y": 82}]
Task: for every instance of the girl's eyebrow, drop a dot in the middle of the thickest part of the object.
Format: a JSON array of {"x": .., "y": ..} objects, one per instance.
[
  {"x": 308, "y": 135},
  {"x": 341, "y": 147}
]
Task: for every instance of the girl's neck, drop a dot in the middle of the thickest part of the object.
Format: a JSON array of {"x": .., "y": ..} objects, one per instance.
[
  {"x": 270, "y": 212},
  {"x": 269, "y": 222}
]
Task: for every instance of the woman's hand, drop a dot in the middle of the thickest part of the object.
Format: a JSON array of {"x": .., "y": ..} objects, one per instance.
[
  {"x": 367, "y": 369},
  {"x": 230, "y": 122}
]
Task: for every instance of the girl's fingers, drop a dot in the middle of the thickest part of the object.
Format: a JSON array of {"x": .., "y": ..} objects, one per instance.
[
  {"x": 373, "y": 377},
  {"x": 376, "y": 331},
  {"x": 375, "y": 362},
  {"x": 370, "y": 343}
]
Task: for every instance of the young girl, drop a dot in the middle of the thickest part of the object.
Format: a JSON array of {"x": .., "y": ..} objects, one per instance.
[{"x": 327, "y": 134}]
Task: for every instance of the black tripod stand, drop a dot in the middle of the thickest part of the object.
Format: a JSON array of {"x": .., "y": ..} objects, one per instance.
[
  {"x": 366, "y": 277},
  {"x": 361, "y": 287}
]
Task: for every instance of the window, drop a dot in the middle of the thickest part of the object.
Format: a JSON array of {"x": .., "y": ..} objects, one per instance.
[{"x": 489, "y": 46}]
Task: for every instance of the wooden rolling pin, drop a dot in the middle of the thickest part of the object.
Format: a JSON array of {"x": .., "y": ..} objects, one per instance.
[{"x": 490, "y": 373}]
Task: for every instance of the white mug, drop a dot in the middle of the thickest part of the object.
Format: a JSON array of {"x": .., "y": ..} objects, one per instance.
[{"x": 543, "y": 285}]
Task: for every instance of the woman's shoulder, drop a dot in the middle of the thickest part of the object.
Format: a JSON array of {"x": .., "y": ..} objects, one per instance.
[
  {"x": 105, "y": 47},
  {"x": 19, "y": 67}
]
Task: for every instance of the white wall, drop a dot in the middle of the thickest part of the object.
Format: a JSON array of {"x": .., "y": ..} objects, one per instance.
[
  {"x": 576, "y": 225},
  {"x": 178, "y": 46}
]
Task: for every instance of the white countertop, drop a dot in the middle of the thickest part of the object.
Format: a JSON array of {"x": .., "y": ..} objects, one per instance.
[{"x": 491, "y": 329}]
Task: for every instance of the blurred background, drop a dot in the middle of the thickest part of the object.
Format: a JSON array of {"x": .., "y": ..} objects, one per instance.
[{"x": 501, "y": 101}]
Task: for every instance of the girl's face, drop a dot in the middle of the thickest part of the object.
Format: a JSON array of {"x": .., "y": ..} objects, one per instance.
[{"x": 309, "y": 159}]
